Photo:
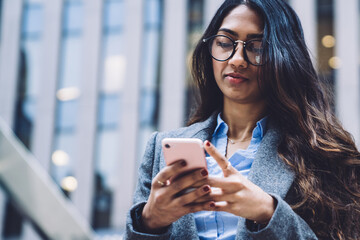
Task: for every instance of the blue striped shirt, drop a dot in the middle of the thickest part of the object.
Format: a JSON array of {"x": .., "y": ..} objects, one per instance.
[{"x": 223, "y": 225}]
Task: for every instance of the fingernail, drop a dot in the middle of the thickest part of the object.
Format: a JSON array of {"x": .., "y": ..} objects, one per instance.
[
  {"x": 183, "y": 163},
  {"x": 204, "y": 173},
  {"x": 212, "y": 205},
  {"x": 206, "y": 189},
  {"x": 207, "y": 143}
]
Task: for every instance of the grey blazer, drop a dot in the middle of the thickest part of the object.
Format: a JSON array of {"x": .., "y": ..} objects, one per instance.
[{"x": 268, "y": 171}]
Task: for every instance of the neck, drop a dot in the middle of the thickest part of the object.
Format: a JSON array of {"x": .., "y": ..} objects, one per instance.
[{"x": 242, "y": 118}]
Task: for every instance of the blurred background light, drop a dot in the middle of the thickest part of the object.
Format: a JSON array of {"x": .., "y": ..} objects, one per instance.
[
  {"x": 67, "y": 94},
  {"x": 328, "y": 41},
  {"x": 60, "y": 158},
  {"x": 69, "y": 183},
  {"x": 335, "y": 62},
  {"x": 115, "y": 67}
]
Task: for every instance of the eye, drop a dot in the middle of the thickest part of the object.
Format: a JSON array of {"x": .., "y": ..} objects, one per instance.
[
  {"x": 254, "y": 46},
  {"x": 223, "y": 42}
]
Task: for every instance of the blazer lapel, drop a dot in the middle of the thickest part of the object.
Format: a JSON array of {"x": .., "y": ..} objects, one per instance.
[{"x": 268, "y": 171}]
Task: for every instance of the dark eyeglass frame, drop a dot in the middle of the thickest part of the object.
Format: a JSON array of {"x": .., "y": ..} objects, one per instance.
[{"x": 235, "y": 44}]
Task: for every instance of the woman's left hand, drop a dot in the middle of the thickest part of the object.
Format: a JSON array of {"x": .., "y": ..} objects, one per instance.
[{"x": 236, "y": 194}]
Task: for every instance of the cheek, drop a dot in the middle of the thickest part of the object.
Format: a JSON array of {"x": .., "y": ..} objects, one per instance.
[{"x": 218, "y": 68}]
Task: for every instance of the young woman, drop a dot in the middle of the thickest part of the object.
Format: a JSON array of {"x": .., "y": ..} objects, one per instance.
[{"x": 280, "y": 166}]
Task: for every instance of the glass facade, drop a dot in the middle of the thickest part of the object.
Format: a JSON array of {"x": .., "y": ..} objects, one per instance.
[
  {"x": 67, "y": 94},
  {"x": 1, "y": 3},
  {"x": 109, "y": 113},
  {"x": 195, "y": 28},
  {"x": 326, "y": 42},
  {"x": 29, "y": 70},
  {"x": 27, "y": 91},
  {"x": 150, "y": 71}
]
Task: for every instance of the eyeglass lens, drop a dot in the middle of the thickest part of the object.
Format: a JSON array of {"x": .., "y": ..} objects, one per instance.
[{"x": 222, "y": 48}]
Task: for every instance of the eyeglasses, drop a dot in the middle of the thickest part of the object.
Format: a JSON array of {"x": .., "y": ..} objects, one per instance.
[{"x": 222, "y": 48}]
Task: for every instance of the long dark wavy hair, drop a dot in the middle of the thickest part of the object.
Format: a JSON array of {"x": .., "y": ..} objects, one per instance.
[{"x": 313, "y": 142}]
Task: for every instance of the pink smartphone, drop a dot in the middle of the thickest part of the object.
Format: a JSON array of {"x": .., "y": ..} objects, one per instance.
[{"x": 189, "y": 149}]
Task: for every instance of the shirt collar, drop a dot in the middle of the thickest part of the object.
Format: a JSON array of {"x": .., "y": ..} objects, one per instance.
[
  {"x": 259, "y": 130},
  {"x": 221, "y": 127},
  {"x": 260, "y": 127}
]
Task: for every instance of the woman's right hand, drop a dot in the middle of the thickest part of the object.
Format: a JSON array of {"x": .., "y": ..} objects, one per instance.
[{"x": 165, "y": 205}]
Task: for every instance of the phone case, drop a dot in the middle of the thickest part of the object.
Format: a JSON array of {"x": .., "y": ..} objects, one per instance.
[{"x": 189, "y": 149}]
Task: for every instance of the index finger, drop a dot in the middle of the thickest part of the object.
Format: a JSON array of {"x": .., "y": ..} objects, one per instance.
[
  {"x": 162, "y": 178},
  {"x": 220, "y": 159}
]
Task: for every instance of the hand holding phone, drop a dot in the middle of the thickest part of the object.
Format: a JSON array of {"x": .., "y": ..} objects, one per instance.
[
  {"x": 175, "y": 189},
  {"x": 190, "y": 150}
]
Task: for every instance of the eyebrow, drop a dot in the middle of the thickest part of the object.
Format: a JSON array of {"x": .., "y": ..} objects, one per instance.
[{"x": 253, "y": 35}]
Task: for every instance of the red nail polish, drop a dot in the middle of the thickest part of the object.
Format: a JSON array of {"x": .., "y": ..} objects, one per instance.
[
  {"x": 183, "y": 163},
  {"x": 206, "y": 189},
  {"x": 204, "y": 173},
  {"x": 208, "y": 143},
  {"x": 212, "y": 205}
]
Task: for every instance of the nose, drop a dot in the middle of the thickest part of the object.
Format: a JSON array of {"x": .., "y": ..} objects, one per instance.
[{"x": 238, "y": 59}]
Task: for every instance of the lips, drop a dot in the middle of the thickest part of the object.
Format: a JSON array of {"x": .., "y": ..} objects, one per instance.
[{"x": 235, "y": 77}]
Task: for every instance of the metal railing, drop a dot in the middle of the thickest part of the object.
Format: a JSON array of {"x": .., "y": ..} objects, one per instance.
[{"x": 35, "y": 193}]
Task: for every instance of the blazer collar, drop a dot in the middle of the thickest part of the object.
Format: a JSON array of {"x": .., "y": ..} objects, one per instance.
[{"x": 206, "y": 128}]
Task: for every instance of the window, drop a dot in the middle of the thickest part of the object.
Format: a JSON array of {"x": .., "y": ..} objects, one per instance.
[
  {"x": 326, "y": 42},
  {"x": 195, "y": 30},
  {"x": 109, "y": 112},
  {"x": 150, "y": 77},
  {"x": 67, "y": 95},
  {"x": 27, "y": 91}
]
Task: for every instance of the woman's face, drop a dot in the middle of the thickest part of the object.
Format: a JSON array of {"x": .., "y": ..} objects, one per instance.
[{"x": 236, "y": 78}]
